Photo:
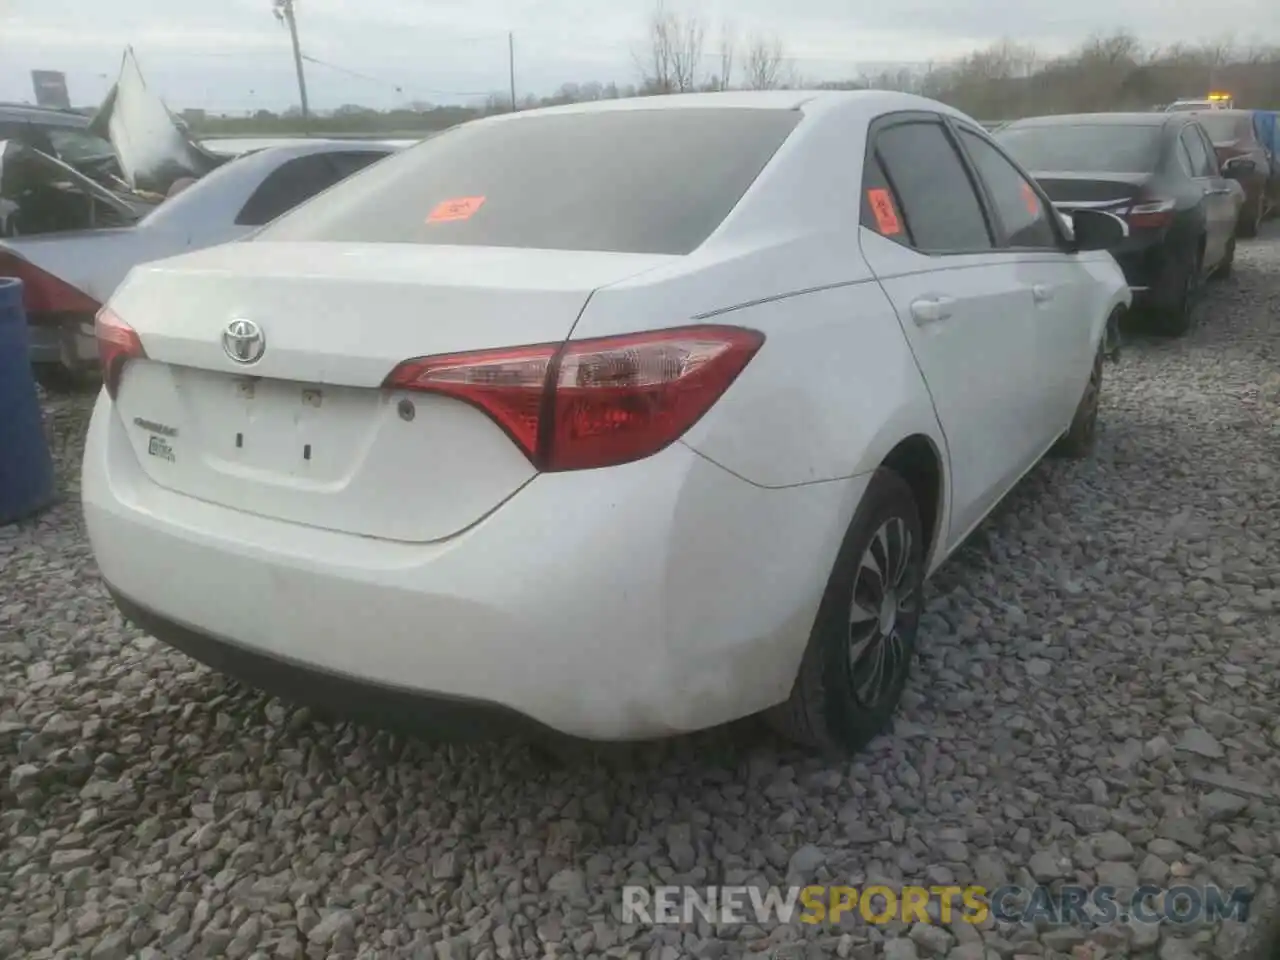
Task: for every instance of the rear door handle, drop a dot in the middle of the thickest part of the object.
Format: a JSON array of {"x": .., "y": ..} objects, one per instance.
[
  {"x": 1041, "y": 294},
  {"x": 1216, "y": 191},
  {"x": 927, "y": 310}
]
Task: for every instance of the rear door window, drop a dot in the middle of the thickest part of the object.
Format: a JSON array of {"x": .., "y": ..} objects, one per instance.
[
  {"x": 1211, "y": 155},
  {"x": 916, "y": 191},
  {"x": 640, "y": 180},
  {"x": 1023, "y": 214},
  {"x": 1195, "y": 145},
  {"x": 1184, "y": 158},
  {"x": 354, "y": 161},
  {"x": 290, "y": 184},
  {"x": 79, "y": 146}
]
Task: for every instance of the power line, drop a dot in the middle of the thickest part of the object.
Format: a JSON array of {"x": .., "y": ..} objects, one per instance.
[
  {"x": 398, "y": 87},
  {"x": 351, "y": 73}
]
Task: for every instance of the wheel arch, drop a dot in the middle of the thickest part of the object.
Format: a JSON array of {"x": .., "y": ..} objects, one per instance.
[{"x": 918, "y": 460}]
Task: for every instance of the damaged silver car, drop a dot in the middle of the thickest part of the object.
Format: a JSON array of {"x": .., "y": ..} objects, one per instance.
[
  {"x": 133, "y": 148},
  {"x": 65, "y": 176}
]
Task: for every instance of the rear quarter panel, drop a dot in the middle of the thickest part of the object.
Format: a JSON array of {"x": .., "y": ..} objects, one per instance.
[
  {"x": 835, "y": 387},
  {"x": 93, "y": 261},
  {"x": 832, "y": 391},
  {"x": 1108, "y": 291}
]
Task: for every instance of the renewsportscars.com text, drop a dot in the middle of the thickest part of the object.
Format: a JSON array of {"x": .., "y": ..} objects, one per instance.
[{"x": 877, "y": 904}]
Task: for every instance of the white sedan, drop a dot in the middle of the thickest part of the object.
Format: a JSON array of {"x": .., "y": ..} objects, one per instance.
[
  {"x": 621, "y": 419},
  {"x": 68, "y": 275}
]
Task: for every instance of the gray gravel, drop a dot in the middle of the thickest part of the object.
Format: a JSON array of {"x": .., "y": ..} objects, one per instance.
[{"x": 1095, "y": 701}]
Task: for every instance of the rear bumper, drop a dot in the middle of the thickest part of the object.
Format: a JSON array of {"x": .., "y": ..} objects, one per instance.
[
  {"x": 1143, "y": 265},
  {"x": 62, "y": 341},
  {"x": 393, "y": 707},
  {"x": 647, "y": 600}
]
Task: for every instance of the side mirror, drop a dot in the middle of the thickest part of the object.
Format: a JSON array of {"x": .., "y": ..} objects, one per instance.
[
  {"x": 1097, "y": 229},
  {"x": 1239, "y": 167}
]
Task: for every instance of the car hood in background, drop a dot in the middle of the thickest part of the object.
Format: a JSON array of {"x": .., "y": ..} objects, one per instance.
[{"x": 153, "y": 151}]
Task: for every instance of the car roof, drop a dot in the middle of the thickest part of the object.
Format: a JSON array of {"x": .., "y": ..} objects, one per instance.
[
  {"x": 852, "y": 104},
  {"x": 228, "y": 186},
  {"x": 1238, "y": 114},
  {"x": 45, "y": 115},
  {"x": 1134, "y": 119},
  {"x": 254, "y": 164},
  {"x": 302, "y": 148}
]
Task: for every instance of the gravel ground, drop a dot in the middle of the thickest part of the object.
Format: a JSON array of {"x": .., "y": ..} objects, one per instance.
[{"x": 1095, "y": 700}]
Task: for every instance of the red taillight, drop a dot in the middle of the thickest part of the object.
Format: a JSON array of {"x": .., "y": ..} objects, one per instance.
[
  {"x": 42, "y": 292},
  {"x": 592, "y": 403},
  {"x": 1150, "y": 213},
  {"x": 117, "y": 343}
]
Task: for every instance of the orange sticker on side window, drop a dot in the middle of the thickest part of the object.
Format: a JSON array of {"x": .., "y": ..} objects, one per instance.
[
  {"x": 1030, "y": 199},
  {"x": 883, "y": 210},
  {"x": 461, "y": 208}
]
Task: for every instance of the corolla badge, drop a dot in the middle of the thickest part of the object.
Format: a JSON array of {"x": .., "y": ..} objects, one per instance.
[{"x": 244, "y": 341}]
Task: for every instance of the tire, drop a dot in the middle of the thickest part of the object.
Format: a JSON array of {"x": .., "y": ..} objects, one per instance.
[
  {"x": 1174, "y": 310},
  {"x": 1250, "y": 218},
  {"x": 854, "y": 670},
  {"x": 1082, "y": 436},
  {"x": 1113, "y": 336},
  {"x": 55, "y": 378},
  {"x": 1223, "y": 270}
]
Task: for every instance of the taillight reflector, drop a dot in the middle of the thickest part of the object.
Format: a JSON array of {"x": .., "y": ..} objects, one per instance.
[
  {"x": 42, "y": 292},
  {"x": 592, "y": 403},
  {"x": 1150, "y": 213},
  {"x": 118, "y": 343}
]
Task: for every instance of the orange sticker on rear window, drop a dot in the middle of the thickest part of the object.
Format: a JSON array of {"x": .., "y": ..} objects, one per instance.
[
  {"x": 883, "y": 210},
  {"x": 461, "y": 208},
  {"x": 1030, "y": 199}
]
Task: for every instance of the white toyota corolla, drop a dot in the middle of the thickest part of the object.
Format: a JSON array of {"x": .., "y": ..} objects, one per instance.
[{"x": 623, "y": 419}]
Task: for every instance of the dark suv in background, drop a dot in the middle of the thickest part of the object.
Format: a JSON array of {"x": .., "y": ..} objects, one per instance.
[{"x": 1238, "y": 141}]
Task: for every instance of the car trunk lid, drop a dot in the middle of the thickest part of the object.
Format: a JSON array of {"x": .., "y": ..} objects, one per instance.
[{"x": 306, "y": 433}]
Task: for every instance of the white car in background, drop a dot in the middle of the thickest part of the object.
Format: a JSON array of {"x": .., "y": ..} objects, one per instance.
[
  {"x": 622, "y": 419},
  {"x": 68, "y": 275}
]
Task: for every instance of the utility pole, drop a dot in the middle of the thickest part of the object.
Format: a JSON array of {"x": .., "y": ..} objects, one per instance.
[
  {"x": 511, "y": 66},
  {"x": 283, "y": 10}
]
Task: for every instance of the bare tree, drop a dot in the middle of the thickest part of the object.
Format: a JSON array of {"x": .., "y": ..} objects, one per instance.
[
  {"x": 687, "y": 50},
  {"x": 764, "y": 63},
  {"x": 728, "y": 47},
  {"x": 655, "y": 62},
  {"x": 670, "y": 65}
]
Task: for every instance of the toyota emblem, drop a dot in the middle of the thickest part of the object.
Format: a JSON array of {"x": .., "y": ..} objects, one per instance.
[{"x": 243, "y": 341}]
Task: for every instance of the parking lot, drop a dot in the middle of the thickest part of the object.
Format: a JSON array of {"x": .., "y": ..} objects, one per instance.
[{"x": 1095, "y": 701}]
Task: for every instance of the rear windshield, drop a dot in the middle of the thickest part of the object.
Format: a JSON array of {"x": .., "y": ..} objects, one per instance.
[
  {"x": 1083, "y": 148},
  {"x": 625, "y": 181},
  {"x": 1224, "y": 127},
  {"x": 79, "y": 146}
]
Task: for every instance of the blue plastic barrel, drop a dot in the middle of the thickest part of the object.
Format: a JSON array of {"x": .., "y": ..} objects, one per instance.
[{"x": 26, "y": 465}]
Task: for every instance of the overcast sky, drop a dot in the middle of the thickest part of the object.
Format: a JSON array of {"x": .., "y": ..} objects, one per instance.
[{"x": 232, "y": 54}]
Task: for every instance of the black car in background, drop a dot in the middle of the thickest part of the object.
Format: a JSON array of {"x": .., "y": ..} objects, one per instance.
[
  {"x": 1156, "y": 171},
  {"x": 1237, "y": 140}
]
